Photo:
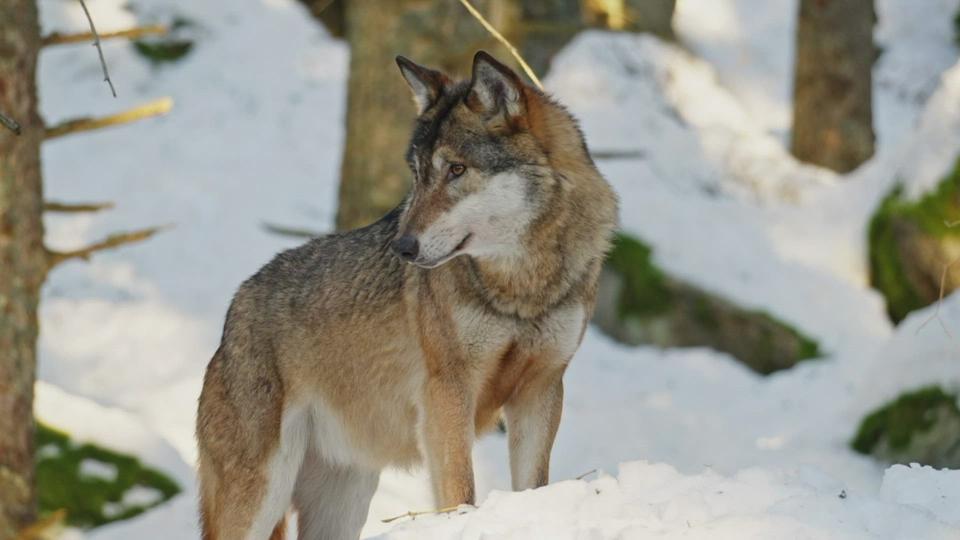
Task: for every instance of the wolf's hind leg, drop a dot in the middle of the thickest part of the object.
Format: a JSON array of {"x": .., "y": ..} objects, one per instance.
[{"x": 332, "y": 500}]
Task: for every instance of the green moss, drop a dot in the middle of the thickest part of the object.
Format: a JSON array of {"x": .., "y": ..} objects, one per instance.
[
  {"x": 61, "y": 485},
  {"x": 646, "y": 292},
  {"x": 935, "y": 214},
  {"x": 956, "y": 28},
  {"x": 898, "y": 422},
  {"x": 167, "y": 48}
]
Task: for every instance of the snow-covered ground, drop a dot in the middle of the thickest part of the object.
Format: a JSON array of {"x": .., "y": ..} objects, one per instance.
[{"x": 716, "y": 450}]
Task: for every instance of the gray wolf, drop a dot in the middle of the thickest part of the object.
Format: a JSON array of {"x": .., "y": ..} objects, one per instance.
[{"x": 401, "y": 341}]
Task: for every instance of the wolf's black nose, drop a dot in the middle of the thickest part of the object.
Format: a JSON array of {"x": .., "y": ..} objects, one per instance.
[{"x": 406, "y": 247}]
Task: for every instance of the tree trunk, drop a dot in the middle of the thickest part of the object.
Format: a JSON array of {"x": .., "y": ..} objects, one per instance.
[
  {"x": 436, "y": 33},
  {"x": 548, "y": 25},
  {"x": 832, "y": 95},
  {"x": 22, "y": 260}
]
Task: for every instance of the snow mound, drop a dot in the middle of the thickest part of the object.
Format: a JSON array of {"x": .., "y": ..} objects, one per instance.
[{"x": 653, "y": 500}]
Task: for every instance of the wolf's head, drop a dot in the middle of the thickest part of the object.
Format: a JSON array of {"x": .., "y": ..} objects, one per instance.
[{"x": 487, "y": 156}]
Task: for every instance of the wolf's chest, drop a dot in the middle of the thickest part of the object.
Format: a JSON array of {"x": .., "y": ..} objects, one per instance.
[{"x": 555, "y": 336}]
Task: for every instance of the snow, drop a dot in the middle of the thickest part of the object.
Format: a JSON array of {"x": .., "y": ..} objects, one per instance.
[
  {"x": 651, "y": 500},
  {"x": 92, "y": 468},
  {"x": 255, "y": 136}
]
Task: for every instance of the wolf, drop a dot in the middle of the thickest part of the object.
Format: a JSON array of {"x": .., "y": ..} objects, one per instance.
[{"x": 400, "y": 342}]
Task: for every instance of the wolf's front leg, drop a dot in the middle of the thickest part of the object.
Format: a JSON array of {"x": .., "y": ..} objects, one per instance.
[
  {"x": 448, "y": 438},
  {"x": 533, "y": 415}
]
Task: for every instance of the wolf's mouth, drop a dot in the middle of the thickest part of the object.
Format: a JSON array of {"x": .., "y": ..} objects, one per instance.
[{"x": 453, "y": 253}]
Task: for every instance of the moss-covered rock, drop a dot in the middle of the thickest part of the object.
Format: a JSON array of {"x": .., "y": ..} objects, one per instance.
[
  {"x": 639, "y": 304},
  {"x": 912, "y": 242},
  {"x": 922, "y": 426},
  {"x": 93, "y": 484},
  {"x": 956, "y": 28}
]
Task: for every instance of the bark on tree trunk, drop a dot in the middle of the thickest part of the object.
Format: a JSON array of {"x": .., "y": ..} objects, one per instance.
[
  {"x": 832, "y": 96},
  {"x": 22, "y": 260},
  {"x": 436, "y": 33}
]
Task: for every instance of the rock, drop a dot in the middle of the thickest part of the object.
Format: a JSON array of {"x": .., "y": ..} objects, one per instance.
[
  {"x": 638, "y": 304},
  {"x": 911, "y": 243},
  {"x": 922, "y": 426}
]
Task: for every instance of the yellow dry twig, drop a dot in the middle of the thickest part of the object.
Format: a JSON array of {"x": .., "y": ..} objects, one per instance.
[
  {"x": 54, "y": 206},
  {"x": 136, "y": 32},
  {"x": 154, "y": 108},
  {"x": 113, "y": 241},
  {"x": 413, "y": 515},
  {"x": 47, "y": 528},
  {"x": 513, "y": 50}
]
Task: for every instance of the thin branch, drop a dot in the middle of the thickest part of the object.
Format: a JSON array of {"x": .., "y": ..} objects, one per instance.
[
  {"x": 113, "y": 241},
  {"x": 96, "y": 43},
  {"x": 54, "y": 206},
  {"x": 154, "y": 108},
  {"x": 10, "y": 123},
  {"x": 293, "y": 232},
  {"x": 586, "y": 474},
  {"x": 513, "y": 50},
  {"x": 136, "y": 32},
  {"x": 943, "y": 283},
  {"x": 936, "y": 310},
  {"x": 617, "y": 154},
  {"x": 413, "y": 515}
]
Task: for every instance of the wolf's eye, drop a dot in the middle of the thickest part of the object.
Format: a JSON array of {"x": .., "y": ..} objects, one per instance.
[{"x": 456, "y": 170}]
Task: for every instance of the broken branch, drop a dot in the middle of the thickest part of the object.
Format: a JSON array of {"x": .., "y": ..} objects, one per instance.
[
  {"x": 413, "y": 515},
  {"x": 54, "y": 206},
  {"x": 153, "y": 108},
  {"x": 96, "y": 43},
  {"x": 136, "y": 32},
  {"x": 10, "y": 123},
  {"x": 499, "y": 37},
  {"x": 290, "y": 231},
  {"x": 113, "y": 241}
]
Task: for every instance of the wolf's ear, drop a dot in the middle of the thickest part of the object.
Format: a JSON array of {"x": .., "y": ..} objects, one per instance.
[
  {"x": 495, "y": 88},
  {"x": 425, "y": 83}
]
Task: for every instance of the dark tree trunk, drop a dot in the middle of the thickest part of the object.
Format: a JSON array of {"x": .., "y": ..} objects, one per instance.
[
  {"x": 832, "y": 95},
  {"x": 548, "y": 25},
  {"x": 436, "y": 33},
  {"x": 22, "y": 260}
]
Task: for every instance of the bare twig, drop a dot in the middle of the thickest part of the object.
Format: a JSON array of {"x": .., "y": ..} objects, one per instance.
[
  {"x": 294, "y": 232},
  {"x": 943, "y": 283},
  {"x": 586, "y": 474},
  {"x": 96, "y": 43},
  {"x": 54, "y": 206},
  {"x": 10, "y": 123},
  {"x": 617, "y": 154},
  {"x": 113, "y": 241},
  {"x": 936, "y": 310},
  {"x": 413, "y": 515},
  {"x": 136, "y": 32},
  {"x": 513, "y": 50},
  {"x": 153, "y": 108}
]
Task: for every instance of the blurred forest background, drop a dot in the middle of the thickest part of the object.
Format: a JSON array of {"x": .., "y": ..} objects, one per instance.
[{"x": 788, "y": 174}]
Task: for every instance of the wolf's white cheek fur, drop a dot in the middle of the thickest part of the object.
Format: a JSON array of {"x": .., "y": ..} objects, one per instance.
[{"x": 496, "y": 218}]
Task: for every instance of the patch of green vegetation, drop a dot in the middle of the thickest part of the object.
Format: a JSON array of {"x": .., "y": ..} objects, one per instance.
[
  {"x": 899, "y": 422},
  {"x": 936, "y": 213},
  {"x": 645, "y": 289},
  {"x": 956, "y": 28},
  {"x": 92, "y": 500},
  {"x": 167, "y": 48}
]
